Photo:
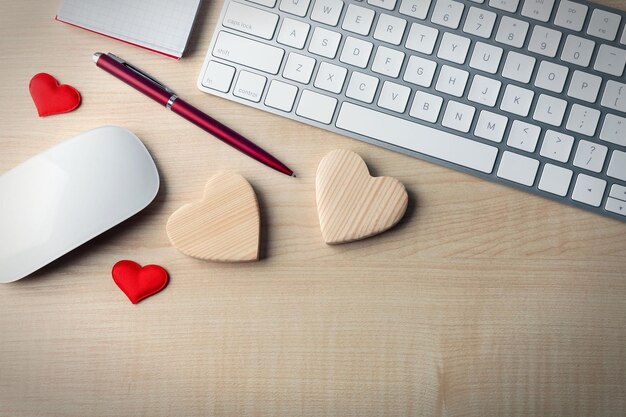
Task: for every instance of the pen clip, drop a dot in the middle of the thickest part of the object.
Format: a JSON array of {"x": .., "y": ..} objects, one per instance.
[{"x": 139, "y": 72}]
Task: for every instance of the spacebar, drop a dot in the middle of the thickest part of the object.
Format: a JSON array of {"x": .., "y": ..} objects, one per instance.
[{"x": 416, "y": 137}]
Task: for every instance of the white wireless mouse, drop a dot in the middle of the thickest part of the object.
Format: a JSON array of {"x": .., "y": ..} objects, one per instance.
[{"x": 70, "y": 193}]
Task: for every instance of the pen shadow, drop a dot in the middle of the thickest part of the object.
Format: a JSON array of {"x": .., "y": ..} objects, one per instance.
[{"x": 117, "y": 233}]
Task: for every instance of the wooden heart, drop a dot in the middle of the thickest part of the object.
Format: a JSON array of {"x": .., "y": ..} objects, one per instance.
[
  {"x": 353, "y": 205},
  {"x": 223, "y": 226}
]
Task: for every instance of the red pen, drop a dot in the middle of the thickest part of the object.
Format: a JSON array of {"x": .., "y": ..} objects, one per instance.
[{"x": 142, "y": 82}]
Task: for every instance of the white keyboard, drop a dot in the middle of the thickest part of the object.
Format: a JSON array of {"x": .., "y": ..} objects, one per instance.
[{"x": 528, "y": 93}]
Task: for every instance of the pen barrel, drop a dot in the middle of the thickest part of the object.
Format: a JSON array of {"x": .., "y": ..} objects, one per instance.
[
  {"x": 138, "y": 82},
  {"x": 226, "y": 134}
]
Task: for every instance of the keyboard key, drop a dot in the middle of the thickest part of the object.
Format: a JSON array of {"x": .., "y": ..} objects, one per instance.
[
  {"x": 610, "y": 60},
  {"x": 249, "y": 86},
  {"x": 452, "y": 81},
  {"x": 518, "y": 67},
  {"x": 484, "y": 90},
  {"x": 415, "y": 8},
  {"x": 324, "y": 42},
  {"x": 506, "y": 5},
  {"x": 584, "y": 86},
  {"x": 578, "y": 50},
  {"x": 491, "y": 126},
  {"x": 426, "y": 106},
  {"x": 250, "y": 20},
  {"x": 358, "y": 19},
  {"x": 420, "y": 71},
  {"x": 389, "y": 29},
  {"x": 248, "y": 52},
  {"x": 447, "y": 13},
  {"x": 419, "y": 138},
  {"x": 588, "y": 190},
  {"x": 281, "y": 95},
  {"x": 330, "y": 77},
  {"x": 617, "y": 165},
  {"x": 394, "y": 97},
  {"x": 327, "y": 11},
  {"x": 604, "y": 24},
  {"x": 613, "y": 130},
  {"x": 618, "y": 192},
  {"x": 616, "y": 206},
  {"x": 583, "y": 120},
  {"x": 550, "y": 110},
  {"x": 538, "y": 9},
  {"x": 523, "y": 136},
  {"x": 362, "y": 87},
  {"x": 356, "y": 52},
  {"x": 551, "y": 76},
  {"x": 517, "y": 100},
  {"x": 453, "y": 48},
  {"x": 555, "y": 179},
  {"x": 293, "y": 33},
  {"x": 316, "y": 106},
  {"x": 512, "y": 32},
  {"x": 299, "y": 68},
  {"x": 557, "y": 146},
  {"x": 486, "y": 57},
  {"x": 479, "y": 22},
  {"x": 518, "y": 168},
  {"x": 268, "y": 3},
  {"x": 458, "y": 116},
  {"x": 614, "y": 96},
  {"x": 297, "y": 7},
  {"x": 590, "y": 156},
  {"x": 218, "y": 76},
  {"x": 544, "y": 41},
  {"x": 422, "y": 38},
  {"x": 385, "y": 4},
  {"x": 388, "y": 61},
  {"x": 571, "y": 15}
]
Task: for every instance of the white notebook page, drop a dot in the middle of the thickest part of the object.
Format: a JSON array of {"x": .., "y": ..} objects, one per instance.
[{"x": 162, "y": 25}]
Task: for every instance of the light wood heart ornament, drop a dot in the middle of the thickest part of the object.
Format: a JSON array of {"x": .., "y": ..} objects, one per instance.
[
  {"x": 223, "y": 226},
  {"x": 353, "y": 205}
]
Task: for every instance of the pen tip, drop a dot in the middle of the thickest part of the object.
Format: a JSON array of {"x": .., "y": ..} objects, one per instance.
[
  {"x": 96, "y": 56},
  {"x": 293, "y": 174}
]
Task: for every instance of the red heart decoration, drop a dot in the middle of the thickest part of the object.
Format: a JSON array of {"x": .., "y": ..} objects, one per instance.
[
  {"x": 137, "y": 282},
  {"x": 50, "y": 97}
]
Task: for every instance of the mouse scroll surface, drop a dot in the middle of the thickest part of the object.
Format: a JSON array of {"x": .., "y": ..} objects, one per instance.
[{"x": 70, "y": 193}]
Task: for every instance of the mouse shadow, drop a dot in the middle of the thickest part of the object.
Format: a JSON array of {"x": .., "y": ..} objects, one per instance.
[{"x": 115, "y": 233}]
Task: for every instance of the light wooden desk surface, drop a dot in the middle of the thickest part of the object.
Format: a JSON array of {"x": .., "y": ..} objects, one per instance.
[{"x": 484, "y": 300}]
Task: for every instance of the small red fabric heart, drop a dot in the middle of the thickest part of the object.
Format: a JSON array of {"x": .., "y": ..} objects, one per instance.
[
  {"x": 50, "y": 97},
  {"x": 137, "y": 282}
]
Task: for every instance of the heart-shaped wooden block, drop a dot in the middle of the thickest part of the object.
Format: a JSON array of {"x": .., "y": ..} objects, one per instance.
[
  {"x": 353, "y": 205},
  {"x": 50, "y": 97},
  {"x": 223, "y": 226}
]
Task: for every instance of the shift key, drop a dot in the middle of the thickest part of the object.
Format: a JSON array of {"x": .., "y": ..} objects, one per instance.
[{"x": 248, "y": 52}]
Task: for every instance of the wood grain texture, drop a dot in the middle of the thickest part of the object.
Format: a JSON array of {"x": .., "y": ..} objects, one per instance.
[
  {"x": 223, "y": 226},
  {"x": 351, "y": 204},
  {"x": 482, "y": 301}
]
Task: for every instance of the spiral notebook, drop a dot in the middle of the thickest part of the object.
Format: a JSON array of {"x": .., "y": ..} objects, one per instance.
[{"x": 158, "y": 25}]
